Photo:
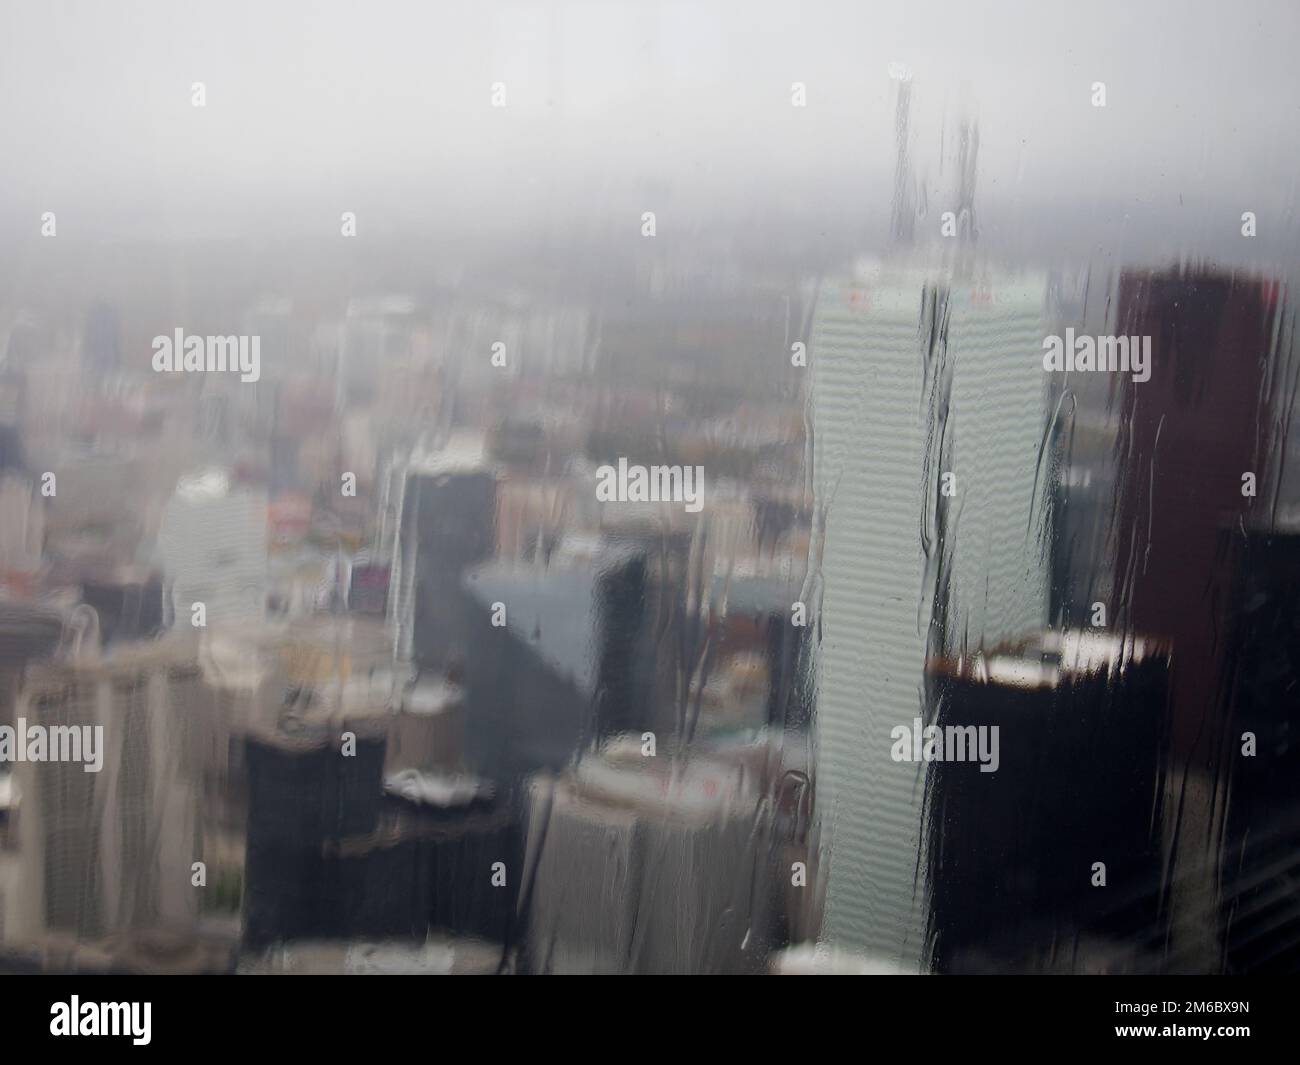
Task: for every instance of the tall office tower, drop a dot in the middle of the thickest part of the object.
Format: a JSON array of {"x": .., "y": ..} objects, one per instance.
[
  {"x": 572, "y": 662},
  {"x": 1075, "y": 779},
  {"x": 109, "y": 853},
  {"x": 913, "y": 380},
  {"x": 303, "y": 791},
  {"x": 444, "y": 520},
  {"x": 1192, "y": 432},
  {"x": 630, "y": 871},
  {"x": 331, "y": 855},
  {"x": 212, "y": 547},
  {"x": 1261, "y": 913}
]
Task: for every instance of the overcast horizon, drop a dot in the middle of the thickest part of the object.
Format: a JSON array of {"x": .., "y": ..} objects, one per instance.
[{"x": 315, "y": 109}]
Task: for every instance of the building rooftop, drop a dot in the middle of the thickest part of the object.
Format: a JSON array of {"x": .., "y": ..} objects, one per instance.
[{"x": 1047, "y": 658}]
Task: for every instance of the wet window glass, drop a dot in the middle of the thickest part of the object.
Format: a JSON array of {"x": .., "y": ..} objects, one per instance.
[{"x": 649, "y": 488}]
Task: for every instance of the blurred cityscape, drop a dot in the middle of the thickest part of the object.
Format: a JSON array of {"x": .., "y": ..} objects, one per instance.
[{"x": 386, "y": 685}]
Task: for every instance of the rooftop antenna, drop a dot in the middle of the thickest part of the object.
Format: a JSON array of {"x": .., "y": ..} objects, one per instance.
[
  {"x": 968, "y": 150},
  {"x": 902, "y": 224}
]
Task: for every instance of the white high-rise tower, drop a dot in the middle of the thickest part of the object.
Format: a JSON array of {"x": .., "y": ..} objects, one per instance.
[
  {"x": 914, "y": 378},
  {"x": 213, "y": 549}
]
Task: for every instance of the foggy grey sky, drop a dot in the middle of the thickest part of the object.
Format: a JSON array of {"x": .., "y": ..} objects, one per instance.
[{"x": 384, "y": 108}]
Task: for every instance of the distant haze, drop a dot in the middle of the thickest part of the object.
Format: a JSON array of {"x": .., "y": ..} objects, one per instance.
[{"x": 614, "y": 108}]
